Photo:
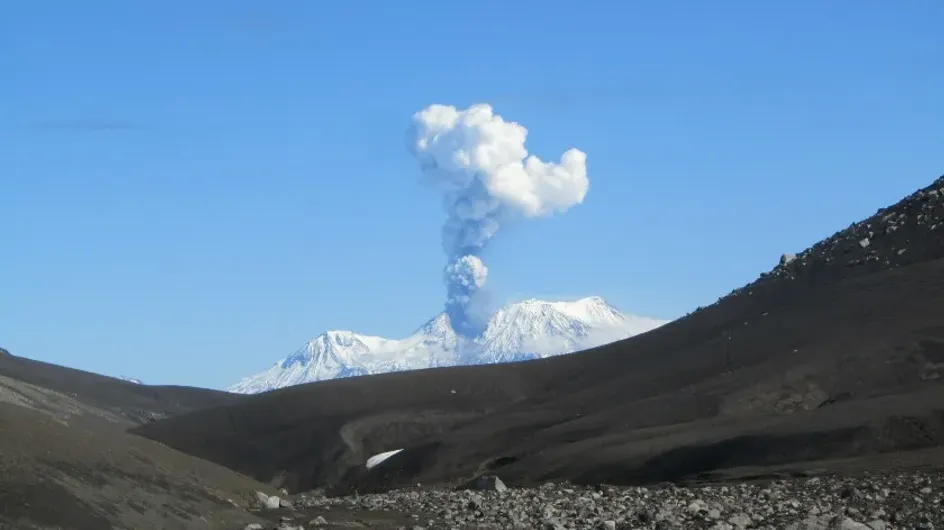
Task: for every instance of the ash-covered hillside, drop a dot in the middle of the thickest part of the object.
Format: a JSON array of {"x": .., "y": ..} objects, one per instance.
[
  {"x": 910, "y": 231},
  {"x": 67, "y": 461}
]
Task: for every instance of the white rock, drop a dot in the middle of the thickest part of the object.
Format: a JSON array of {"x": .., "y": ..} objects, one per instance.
[
  {"x": 696, "y": 506},
  {"x": 849, "y": 524}
]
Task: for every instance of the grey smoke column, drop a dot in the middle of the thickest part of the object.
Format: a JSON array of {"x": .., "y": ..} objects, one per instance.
[{"x": 479, "y": 163}]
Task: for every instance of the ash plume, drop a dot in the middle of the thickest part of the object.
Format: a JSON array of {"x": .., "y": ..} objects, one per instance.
[{"x": 479, "y": 163}]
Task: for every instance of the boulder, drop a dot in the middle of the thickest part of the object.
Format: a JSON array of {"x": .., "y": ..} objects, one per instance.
[{"x": 489, "y": 483}]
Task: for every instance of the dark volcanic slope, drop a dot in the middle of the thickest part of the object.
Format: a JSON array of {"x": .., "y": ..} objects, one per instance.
[
  {"x": 129, "y": 401},
  {"x": 83, "y": 474},
  {"x": 66, "y": 460},
  {"x": 837, "y": 353},
  {"x": 911, "y": 231}
]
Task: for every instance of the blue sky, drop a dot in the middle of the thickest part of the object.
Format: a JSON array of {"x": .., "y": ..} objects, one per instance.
[{"x": 191, "y": 190}]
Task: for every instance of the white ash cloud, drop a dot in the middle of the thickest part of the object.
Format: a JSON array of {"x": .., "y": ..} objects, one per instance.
[{"x": 480, "y": 163}]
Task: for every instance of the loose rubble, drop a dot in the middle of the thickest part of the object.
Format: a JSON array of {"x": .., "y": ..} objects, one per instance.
[
  {"x": 268, "y": 502},
  {"x": 875, "y": 502}
]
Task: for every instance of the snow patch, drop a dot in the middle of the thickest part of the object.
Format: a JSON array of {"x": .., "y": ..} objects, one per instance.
[{"x": 378, "y": 458}]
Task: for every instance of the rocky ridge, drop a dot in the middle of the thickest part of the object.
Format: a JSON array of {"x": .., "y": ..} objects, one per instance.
[
  {"x": 907, "y": 232},
  {"x": 900, "y": 500}
]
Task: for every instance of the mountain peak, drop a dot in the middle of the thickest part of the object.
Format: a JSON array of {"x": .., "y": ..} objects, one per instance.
[
  {"x": 592, "y": 300},
  {"x": 524, "y": 330},
  {"x": 586, "y": 302},
  {"x": 438, "y": 326}
]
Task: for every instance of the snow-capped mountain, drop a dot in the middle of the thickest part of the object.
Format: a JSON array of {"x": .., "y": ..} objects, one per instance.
[
  {"x": 130, "y": 380},
  {"x": 525, "y": 330}
]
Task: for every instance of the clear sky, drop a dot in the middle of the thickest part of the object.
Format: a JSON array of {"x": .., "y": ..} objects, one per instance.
[{"x": 192, "y": 189}]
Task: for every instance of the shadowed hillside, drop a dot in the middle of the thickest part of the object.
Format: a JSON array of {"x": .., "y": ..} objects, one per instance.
[
  {"x": 83, "y": 473},
  {"x": 837, "y": 353},
  {"x": 67, "y": 462},
  {"x": 134, "y": 402}
]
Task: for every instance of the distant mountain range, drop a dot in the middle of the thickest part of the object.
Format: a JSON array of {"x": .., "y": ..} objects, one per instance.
[{"x": 526, "y": 330}]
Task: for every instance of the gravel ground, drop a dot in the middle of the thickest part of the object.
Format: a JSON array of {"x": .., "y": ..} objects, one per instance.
[{"x": 909, "y": 500}]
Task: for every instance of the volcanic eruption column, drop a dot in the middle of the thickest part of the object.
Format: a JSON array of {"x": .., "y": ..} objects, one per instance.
[{"x": 479, "y": 163}]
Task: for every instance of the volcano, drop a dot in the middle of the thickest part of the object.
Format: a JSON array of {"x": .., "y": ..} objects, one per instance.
[{"x": 531, "y": 329}]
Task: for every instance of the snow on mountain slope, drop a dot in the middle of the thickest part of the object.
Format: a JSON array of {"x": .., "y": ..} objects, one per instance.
[
  {"x": 525, "y": 330},
  {"x": 336, "y": 354},
  {"x": 536, "y": 328}
]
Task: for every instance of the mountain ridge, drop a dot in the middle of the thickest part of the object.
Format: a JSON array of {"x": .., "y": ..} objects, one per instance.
[{"x": 528, "y": 329}]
